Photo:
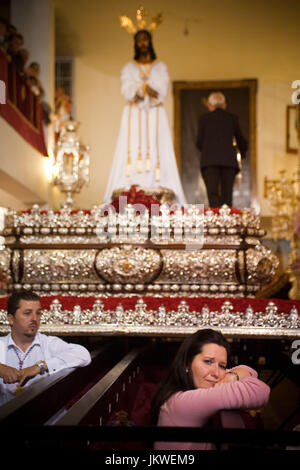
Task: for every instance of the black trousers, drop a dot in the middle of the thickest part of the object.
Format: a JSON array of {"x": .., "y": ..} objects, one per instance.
[{"x": 219, "y": 182}]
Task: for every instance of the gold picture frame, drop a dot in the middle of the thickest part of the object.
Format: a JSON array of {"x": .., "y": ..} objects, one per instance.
[
  {"x": 292, "y": 143},
  {"x": 251, "y": 85}
]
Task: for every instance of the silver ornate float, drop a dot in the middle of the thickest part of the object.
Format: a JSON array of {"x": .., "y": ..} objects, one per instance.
[
  {"x": 141, "y": 320},
  {"x": 173, "y": 252}
]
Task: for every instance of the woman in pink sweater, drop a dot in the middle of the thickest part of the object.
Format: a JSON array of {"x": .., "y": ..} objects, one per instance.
[{"x": 199, "y": 385}]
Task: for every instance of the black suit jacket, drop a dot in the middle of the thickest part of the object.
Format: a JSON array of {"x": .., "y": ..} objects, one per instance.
[{"x": 216, "y": 130}]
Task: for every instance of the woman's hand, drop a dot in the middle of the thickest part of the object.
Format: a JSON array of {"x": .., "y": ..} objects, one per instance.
[
  {"x": 228, "y": 378},
  {"x": 234, "y": 375}
]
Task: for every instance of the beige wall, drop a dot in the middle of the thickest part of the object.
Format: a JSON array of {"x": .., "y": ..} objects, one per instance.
[
  {"x": 273, "y": 97},
  {"x": 98, "y": 109},
  {"x": 21, "y": 169}
]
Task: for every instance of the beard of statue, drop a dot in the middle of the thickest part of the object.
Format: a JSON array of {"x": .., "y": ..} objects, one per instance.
[{"x": 143, "y": 45}]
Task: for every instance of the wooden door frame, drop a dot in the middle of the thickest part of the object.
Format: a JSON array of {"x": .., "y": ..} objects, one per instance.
[{"x": 251, "y": 84}]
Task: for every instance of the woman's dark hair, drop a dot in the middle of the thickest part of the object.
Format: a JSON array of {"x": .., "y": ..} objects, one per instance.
[
  {"x": 137, "y": 52},
  {"x": 179, "y": 377},
  {"x": 13, "y": 302}
]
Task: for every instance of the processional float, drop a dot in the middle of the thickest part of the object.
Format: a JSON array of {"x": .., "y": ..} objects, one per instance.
[{"x": 140, "y": 265}]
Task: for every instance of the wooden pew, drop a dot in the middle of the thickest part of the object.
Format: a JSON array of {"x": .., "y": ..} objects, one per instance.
[
  {"x": 89, "y": 420},
  {"x": 117, "y": 390},
  {"x": 120, "y": 391},
  {"x": 46, "y": 397},
  {"x": 112, "y": 398},
  {"x": 107, "y": 395}
]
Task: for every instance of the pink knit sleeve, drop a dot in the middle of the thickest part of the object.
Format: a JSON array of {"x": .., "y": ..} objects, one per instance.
[{"x": 200, "y": 404}]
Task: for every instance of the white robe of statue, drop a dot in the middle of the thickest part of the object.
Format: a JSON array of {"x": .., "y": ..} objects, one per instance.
[{"x": 144, "y": 130}]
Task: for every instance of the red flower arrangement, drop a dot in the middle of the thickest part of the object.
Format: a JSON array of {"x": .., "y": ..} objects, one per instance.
[
  {"x": 170, "y": 303},
  {"x": 139, "y": 197},
  {"x": 135, "y": 197}
]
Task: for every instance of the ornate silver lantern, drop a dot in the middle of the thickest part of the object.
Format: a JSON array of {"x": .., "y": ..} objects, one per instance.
[{"x": 72, "y": 162}]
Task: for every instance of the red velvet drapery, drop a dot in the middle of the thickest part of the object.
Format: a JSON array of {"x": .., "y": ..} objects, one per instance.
[{"x": 170, "y": 303}]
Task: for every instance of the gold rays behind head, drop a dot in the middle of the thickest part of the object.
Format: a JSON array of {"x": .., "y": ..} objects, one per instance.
[{"x": 141, "y": 21}]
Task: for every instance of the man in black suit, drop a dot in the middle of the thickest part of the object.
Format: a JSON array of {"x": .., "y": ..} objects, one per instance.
[{"x": 215, "y": 139}]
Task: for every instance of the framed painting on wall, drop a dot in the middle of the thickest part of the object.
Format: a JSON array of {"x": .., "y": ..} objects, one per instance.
[{"x": 190, "y": 101}]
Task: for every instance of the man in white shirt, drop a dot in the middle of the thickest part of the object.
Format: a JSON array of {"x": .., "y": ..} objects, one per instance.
[{"x": 25, "y": 354}]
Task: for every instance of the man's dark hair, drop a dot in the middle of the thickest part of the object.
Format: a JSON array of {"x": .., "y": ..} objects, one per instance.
[
  {"x": 13, "y": 302},
  {"x": 137, "y": 52}
]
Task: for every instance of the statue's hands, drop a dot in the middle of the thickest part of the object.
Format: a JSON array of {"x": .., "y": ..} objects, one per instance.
[
  {"x": 138, "y": 98},
  {"x": 152, "y": 93}
]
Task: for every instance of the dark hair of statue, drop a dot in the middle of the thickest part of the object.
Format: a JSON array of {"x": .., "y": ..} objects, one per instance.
[
  {"x": 137, "y": 52},
  {"x": 179, "y": 377},
  {"x": 13, "y": 302}
]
